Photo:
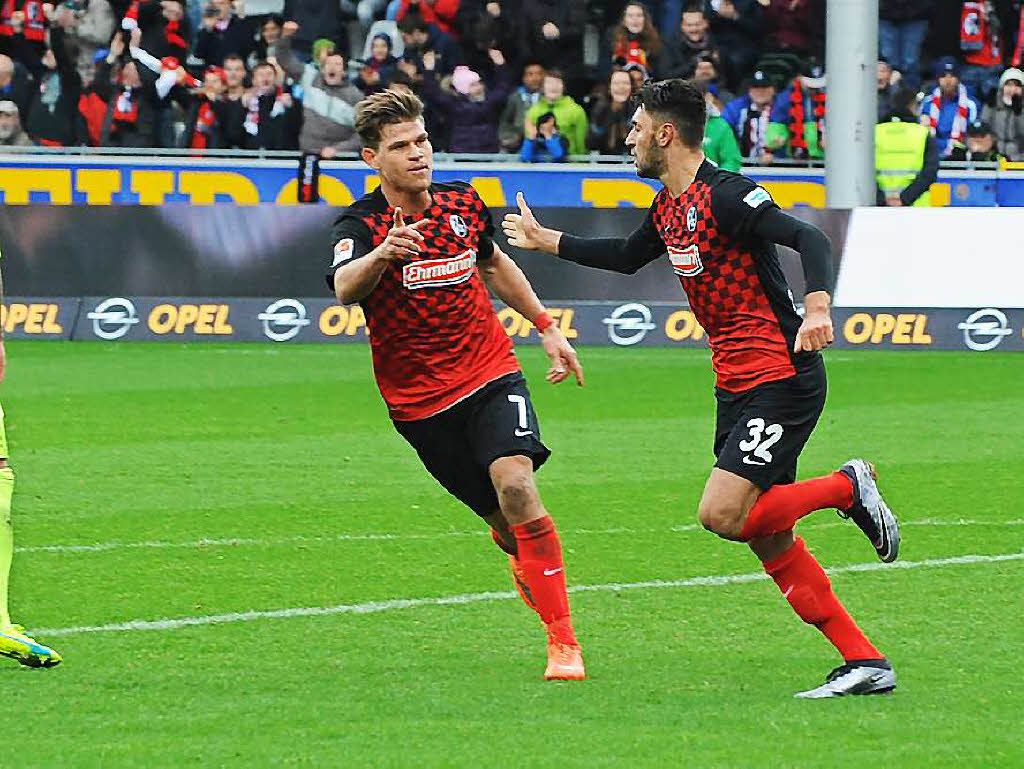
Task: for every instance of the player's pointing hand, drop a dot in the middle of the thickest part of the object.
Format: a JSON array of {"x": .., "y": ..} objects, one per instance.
[
  {"x": 522, "y": 229},
  {"x": 403, "y": 241}
]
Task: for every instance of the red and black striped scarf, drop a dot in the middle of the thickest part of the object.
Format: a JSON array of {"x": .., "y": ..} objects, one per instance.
[
  {"x": 799, "y": 104},
  {"x": 205, "y": 121},
  {"x": 35, "y": 19}
]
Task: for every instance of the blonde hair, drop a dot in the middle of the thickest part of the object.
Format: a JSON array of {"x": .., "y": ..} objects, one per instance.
[{"x": 385, "y": 108}]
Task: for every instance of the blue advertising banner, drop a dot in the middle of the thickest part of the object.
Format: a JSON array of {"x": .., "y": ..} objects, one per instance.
[{"x": 97, "y": 180}]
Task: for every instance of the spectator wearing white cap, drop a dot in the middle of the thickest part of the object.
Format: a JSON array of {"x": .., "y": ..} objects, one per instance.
[
  {"x": 11, "y": 132},
  {"x": 1006, "y": 117}
]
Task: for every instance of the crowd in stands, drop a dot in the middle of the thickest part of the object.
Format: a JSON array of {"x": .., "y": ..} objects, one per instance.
[{"x": 541, "y": 80}]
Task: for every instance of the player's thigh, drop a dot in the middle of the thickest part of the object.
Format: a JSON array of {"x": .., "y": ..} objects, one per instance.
[
  {"x": 444, "y": 449},
  {"x": 503, "y": 423},
  {"x": 771, "y": 429},
  {"x": 726, "y": 499}
]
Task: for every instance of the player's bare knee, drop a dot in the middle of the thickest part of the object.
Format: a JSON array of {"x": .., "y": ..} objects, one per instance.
[
  {"x": 516, "y": 494},
  {"x": 720, "y": 518}
]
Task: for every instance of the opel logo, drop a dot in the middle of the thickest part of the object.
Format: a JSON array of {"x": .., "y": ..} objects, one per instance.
[
  {"x": 284, "y": 319},
  {"x": 985, "y": 329},
  {"x": 112, "y": 318},
  {"x": 629, "y": 323}
]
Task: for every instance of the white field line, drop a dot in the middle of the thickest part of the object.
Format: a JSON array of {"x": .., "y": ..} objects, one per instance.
[
  {"x": 199, "y": 544},
  {"x": 373, "y": 607}
]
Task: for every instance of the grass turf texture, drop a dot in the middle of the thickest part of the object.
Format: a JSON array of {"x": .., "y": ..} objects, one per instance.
[{"x": 288, "y": 447}]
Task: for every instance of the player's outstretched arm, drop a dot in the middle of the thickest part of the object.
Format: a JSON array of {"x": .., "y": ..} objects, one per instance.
[
  {"x": 507, "y": 281},
  {"x": 625, "y": 255},
  {"x": 816, "y": 257},
  {"x": 356, "y": 279}
]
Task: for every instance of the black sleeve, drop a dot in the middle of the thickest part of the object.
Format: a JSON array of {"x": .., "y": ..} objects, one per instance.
[
  {"x": 625, "y": 255},
  {"x": 811, "y": 243},
  {"x": 737, "y": 203},
  {"x": 485, "y": 238},
  {"x": 350, "y": 239},
  {"x": 926, "y": 176}
]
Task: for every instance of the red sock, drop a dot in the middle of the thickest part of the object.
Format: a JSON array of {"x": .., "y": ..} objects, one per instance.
[
  {"x": 779, "y": 508},
  {"x": 540, "y": 557},
  {"x": 807, "y": 588}
]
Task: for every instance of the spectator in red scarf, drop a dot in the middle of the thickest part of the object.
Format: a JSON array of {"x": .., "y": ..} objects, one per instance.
[
  {"x": 27, "y": 20},
  {"x": 982, "y": 39},
  {"x": 634, "y": 40},
  {"x": 204, "y": 113},
  {"x": 797, "y": 128},
  {"x": 132, "y": 101},
  {"x": 948, "y": 110}
]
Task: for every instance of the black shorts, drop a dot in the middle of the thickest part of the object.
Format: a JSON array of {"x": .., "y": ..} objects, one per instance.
[
  {"x": 458, "y": 445},
  {"x": 760, "y": 433}
]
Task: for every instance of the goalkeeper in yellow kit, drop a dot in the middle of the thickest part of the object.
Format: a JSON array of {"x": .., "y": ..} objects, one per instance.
[{"x": 13, "y": 641}]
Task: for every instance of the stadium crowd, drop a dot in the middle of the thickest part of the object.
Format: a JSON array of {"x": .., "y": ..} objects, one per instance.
[{"x": 543, "y": 80}]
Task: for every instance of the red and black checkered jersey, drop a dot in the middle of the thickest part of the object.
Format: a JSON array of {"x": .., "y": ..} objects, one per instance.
[
  {"x": 433, "y": 331},
  {"x": 733, "y": 280}
]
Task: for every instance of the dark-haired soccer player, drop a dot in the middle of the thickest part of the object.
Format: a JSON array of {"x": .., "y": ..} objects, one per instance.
[
  {"x": 719, "y": 230},
  {"x": 442, "y": 359}
]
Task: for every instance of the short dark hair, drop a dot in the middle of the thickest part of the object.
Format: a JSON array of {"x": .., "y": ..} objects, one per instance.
[
  {"x": 385, "y": 108},
  {"x": 545, "y": 118},
  {"x": 679, "y": 102},
  {"x": 413, "y": 22},
  {"x": 554, "y": 72}
]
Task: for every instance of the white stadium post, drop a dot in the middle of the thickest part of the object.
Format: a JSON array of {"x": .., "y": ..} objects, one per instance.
[{"x": 851, "y": 59}]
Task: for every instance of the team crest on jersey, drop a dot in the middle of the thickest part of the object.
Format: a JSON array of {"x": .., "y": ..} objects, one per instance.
[
  {"x": 691, "y": 219},
  {"x": 458, "y": 225},
  {"x": 686, "y": 261},
  {"x": 342, "y": 251},
  {"x": 434, "y": 273}
]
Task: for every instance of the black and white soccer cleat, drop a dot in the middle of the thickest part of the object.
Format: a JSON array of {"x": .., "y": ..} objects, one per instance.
[
  {"x": 869, "y": 510},
  {"x": 853, "y": 678}
]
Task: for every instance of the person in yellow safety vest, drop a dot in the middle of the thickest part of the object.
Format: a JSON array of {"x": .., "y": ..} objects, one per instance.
[{"x": 906, "y": 156}]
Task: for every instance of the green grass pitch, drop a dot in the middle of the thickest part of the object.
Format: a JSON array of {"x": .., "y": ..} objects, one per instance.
[{"x": 215, "y": 480}]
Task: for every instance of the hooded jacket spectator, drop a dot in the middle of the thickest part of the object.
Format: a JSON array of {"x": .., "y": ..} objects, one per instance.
[
  {"x": 513, "y": 116},
  {"x": 473, "y": 110},
  {"x": 328, "y": 107},
  {"x": 1007, "y": 116},
  {"x": 570, "y": 116}
]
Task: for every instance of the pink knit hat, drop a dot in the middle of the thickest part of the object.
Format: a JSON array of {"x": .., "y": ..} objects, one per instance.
[{"x": 463, "y": 79}]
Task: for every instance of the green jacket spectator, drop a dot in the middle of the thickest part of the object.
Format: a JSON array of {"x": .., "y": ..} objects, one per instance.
[
  {"x": 572, "y": 119},
  {"x": 720, "y": 146}
]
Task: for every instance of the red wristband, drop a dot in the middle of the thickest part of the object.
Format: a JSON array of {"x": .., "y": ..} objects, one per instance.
[{"x": 543, "y": 322}]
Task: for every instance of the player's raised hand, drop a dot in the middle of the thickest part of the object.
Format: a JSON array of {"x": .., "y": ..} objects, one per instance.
[
  {"x": 564, "y": 360},
  {"x": 403, "y": 241},
  {"x": 522, "y": 229},
  {"x": 815, "y": 332}
]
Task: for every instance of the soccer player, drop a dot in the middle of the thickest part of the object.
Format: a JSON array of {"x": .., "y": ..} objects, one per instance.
[
  {"x": 13, "y": 641},
  {"x": 419, "y": 258},
  {"x": 719, "y": 230}
]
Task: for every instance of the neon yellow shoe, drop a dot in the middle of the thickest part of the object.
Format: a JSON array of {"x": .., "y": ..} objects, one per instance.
[{"x": 25, "y": 649}]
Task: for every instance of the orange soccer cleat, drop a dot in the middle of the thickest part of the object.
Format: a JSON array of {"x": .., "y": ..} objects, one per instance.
[{"x": 565, "y": 663}]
